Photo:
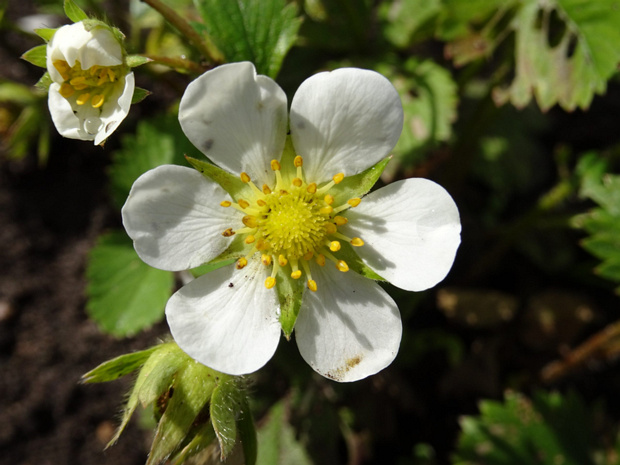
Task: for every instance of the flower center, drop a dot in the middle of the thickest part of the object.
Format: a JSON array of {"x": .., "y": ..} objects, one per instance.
[
  {"x": 90, "y": 85},
  {"x": 292, "y": 225}
]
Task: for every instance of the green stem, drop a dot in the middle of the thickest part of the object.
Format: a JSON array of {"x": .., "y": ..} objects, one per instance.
[
  {"x": 177, "y": 63},
  {"x": 203, "y": 44}
]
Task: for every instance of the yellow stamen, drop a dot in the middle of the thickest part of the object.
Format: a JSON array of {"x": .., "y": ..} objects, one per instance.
[
  {"x": 320, "y": 259},
  {"x": 225, "y": 203},
  {"x": 275, "y": 165},
  {"x": 296, "y": 274},
  {"x": 308, "y": 256},
  {"x": 97, "y": 101},
  {"x": 266, "y": 189},
  {"x": 354, "y": 202},
  {"x": 340, "y": 220},
  {"x": 82, "y": 99},
  {"x": 270, "y": 282},
  {"x": 330, "y": 228},
  {"x": 66, "y": 90},
  {"x": 311, "y": 188},
  {"x": 63, "y": 68},
  {"x": 229, "y": 232},
  {"x": 357, "y": 242},
  {"x": 342, "y": 266},
  {"x": 78, "y": 81},
  {"x": 329, "y": 199},
  {"x": 261, "y": 203},
  {"x": 250, "y": 239},
  {"x": 334, "y": 246},
  {"x": 241, "y": 263},
  {"x": 327, "y": 210},
  {"x": 312, "y": 285},
  {"x": 265, "y": 259},
  {"x": 262, "y": 244},
  {"x": 338, "y": 178},
  {"x": 250, "y": 221},
  {"x": 245, "y": 177},
  {"x": 297, "y": 182},
  {"x": 243, "y": 203},
  {"x": 282, "y": 260},
  {"x": 111, "y": 75},
  {"x": 298, "y": 161}
]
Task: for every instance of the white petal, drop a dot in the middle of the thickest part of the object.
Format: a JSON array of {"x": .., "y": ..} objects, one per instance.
[
  {"x": 115, "y": 108},
  {"x": 175, "y": 220},
  {"x": 349, "y": 328},
  {"x": 102, "y": 49},
  {"x": 67, "y": 123},
  {"x": 236, "y": 118},
  {"x": 344, "y": 121},
  {"x": 411, "y": 231},
  {"x": 227, "y": 319}
]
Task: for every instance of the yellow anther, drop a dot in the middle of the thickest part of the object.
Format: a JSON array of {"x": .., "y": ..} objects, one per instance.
[
  {"x": 93, "y": 70},
  {"x": 340, "y": 220},
  {"x": 297, "y": 182},
  {"x": 82, "y": 99},
  {"x": 245, "y": 177},
  {"x": 311, "y": 188},
  {"x": 282, "y": 260},
  {"x": 63, "y": 68},
  {"x": 298, "y": 161},
  {"x": 225, "y": 203},
  {"x": 97, "y": 100},
  {"x": 275, "y": 165},
  {"x": 229, "y": 232},
  {"x": 270, "y": 282},
  {"x": 66, "y": 90},
  {"x": 334, "y": 246},
  {"x": 243, "y": 203},
  {"x": 111, "y": 75},
  {"x": 266, "y": 189},
  {"x": 338, "y": 178},
  {"x": 261, "y": 203},
  {"x": 320, "y": 259},
  {"x": 283, "y": 192},
  {"x": 342, "y": 266},
  {"x": 296, "y": 274},
  {"x": 354, "y": 202},
  {"x": 262, "y": 244},
  {"x": 326, "y": 210},
  {"x": 308, "y": 256},
  {"x": 250, "y": 239},
  {"x": 312, "y": 285},
  {"x": 265, "y": 259},
  {"x": 250, "y": 221},
  {"x": 329, "y": 199},
  {"x": 357, "y": 242},
  {"x": 241, "y": 263},
  {"x": 78, "y": 81},
  {"x": 330, "y": 228}
]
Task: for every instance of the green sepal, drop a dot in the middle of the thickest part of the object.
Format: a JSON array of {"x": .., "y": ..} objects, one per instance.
[
  {"x": 74, "y": 12},
  {"x": 203, "y": 436},
  {"x": 36, "y": 56},
  {"x": 45, "y": 82},
  {"x": 247, "y": 433},
  {"x": 226, "y": 402},
  {"x": 359, "y": 184},
  {"x": 209, "y": 267},
  {"x": 348, "y": 254},
  {"x": 139, "y": 94},
  {"x": 237, "y": 248},
  {"x": 287, "y": 162},
  {"x": 137, "y": 60},
  {"x": 45, "y": 33},
  {"x": 117, "y": 367},
  {"x": 227, "y": 181},
  {"x": 290, "y": 292}
]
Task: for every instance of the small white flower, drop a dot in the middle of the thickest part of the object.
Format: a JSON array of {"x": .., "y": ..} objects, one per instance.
[
  {"x": 292, "y": 221},
  {"x": 92, "y": 85}
]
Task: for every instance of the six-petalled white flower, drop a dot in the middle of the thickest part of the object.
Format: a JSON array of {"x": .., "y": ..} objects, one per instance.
[
  {"x": 293, "y": 220},
  {"x": 92, "y": 85}
]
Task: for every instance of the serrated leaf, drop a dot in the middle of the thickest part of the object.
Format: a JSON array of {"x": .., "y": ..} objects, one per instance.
[
  {"x": 226, "y": 402},
  {"x": 157, "y": 141},
  {"x": 456, "y": 17},
  {"x": 227, "y": 181},
  {"x": 260, "y": 31},
  {"x": 74, "y": 12},
  {"x": 137, "y": 60},
  {"x": 139, "y": 94},
  {"x": 578, "y": 67},
  {"x": 45, "y": 33},
  {"x": 118, "y": 367},
  {"x": 125, "y": 295},
  {"x": 277, "y": 440},
  {"x": 192, "y": 389},
  {"x": 36, "y": 56}
]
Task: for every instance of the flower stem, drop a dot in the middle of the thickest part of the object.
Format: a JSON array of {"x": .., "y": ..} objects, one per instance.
[
  {"x": 203, "y": 44},
  {"x": 178, "y": 63}
]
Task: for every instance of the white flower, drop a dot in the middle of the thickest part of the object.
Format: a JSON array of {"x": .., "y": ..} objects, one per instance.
[
  {"x": 292, "y": 220},
  {"x": 92, "y": 86}
]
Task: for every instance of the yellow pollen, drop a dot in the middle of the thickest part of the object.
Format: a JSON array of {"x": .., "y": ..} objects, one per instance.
[
  {"x": 297, "y": 182},
  {"x": 354, "y": 202},
  {"x": 311, "y": 188},
  {"x": 320, "y": 259},
  {"x": 229, "y": 232},
  {"x": 265, "y": 259},
  {"x": 241, "y": 263},
  {"x": 357, "y": 242},
  {"x": 97, "y": 101},
  {"x": 243, "y": 203},
  {"x": 330, "y": 228},
  {"x": 266, "y": 189},
  {"x": 275, "y": 165},
  {"x": 334, "y": 246},
  {"x": 296, "y": 274},
  {"x": 82, "y": 99},
  {"x": 282, "y": 260},
  {"x": 245, "y": 177},
  {"x": 329, "y": 199},
  {"x": 340, "y": 220},
  {"x": 270, "y": 282},
  {"x": 338, "y": 178},
  {"x": 342, "y": 266},
  {"x": 250, "y": 221},
  {"x": 225, "y": 203},
  {"x": 298, "y": 162},
  {"x": 312, "y": 285},
  {"x": 250, "y": 239}
]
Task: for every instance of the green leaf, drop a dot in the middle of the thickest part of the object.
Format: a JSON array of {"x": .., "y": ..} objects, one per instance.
[
  {"x": 406, "y": 18},
  {"x": 227, "y": 401},
  {"x": 572, "y": 71},
  {"x": 45, "y": 33},
  {"x": 157, "y": 141},
  {"x": 247, "y": 433},
  {"x": 125, "y": 295},
  {"x": 229, "y": 182},
  {"x": 139, "y": 94},
  {"x": 277, "y": 440},
  {"x": 290, "y": 292},
  {"x": 74, "y": 12},
  {"x": 118, "y": 367},
  {"x": 36, "y": 56},
  {"x": 137, "y": 60},
  {"x": 260, "y": 31}
]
